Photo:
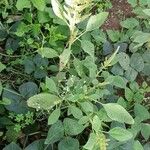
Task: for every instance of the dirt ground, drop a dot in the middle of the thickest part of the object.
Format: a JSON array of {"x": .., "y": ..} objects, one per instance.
[{"x": 120, "y": 10}]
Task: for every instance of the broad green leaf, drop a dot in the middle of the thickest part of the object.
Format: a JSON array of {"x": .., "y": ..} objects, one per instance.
[
  {"x": 120, "y": 134},
  {"x": 78, "y": 66},
  {"x": 137, "y": 146},
  {"x": 118, "y": 113},
  {"x": 137, "y": 62},
  {"x": 119, "y": 81},
  {"x": 51, "y": 85},
  {"x": 87, "y": 106},
  {"x": 64, "y": 58},
  {"x": 130, "y": 23},
  {"x": 68, "y": 143},
  {"x": 96, "y": 123},
  {"x": 72, "y": 127},
  {"x": 96, "y": 21},
  {"x": 145, "y": 130},
  {"x": 142, "y": 38},
  {"x": 28, "y": 89},
  {"x": 37, "y": 145},
  {"x": 57, "y": 9},
  {"x": 128, "y": 94},
  {"x": 54, "y": 116},
  {"x": 92, "y": 141},
  {"x": 124, "y": 60},
  {"x": 76, "y": 112},
  {"x": 12, "y": 146},
  {"x": 2, "y": 67},
  {"x": 55, "y": 133},
  {"x": 88, "y": 47},
  {"x": 141, "y": 112},
  {"x": 147, "y": 11},
  {"x": 1, "y": 87},
  {"x": 114, "y": 35},
  {"x": 21, "y": 4},
  {"x": 39, "y": 4},
  {"x": 47, "y": 52},
  {"x": 43, "y": 101}
]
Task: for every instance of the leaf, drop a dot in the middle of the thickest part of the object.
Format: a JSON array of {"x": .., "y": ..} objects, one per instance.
[
  {"x": 114, "y": 35},
  {"x": 96, "y": 123},
  {"x": 124, "y": 60},
  {"x": 145, "y": 130},
  {"x": 141, "y": 112},
  {"x": 64, "y": 58},
  {"x": 137, "y": 146},
  {"x": 43, "y": 101},
  {"x": 119, "y": 81},
  {"x": 78, "y": 67},
  {"x": 28, "y": 89},
  {"x": 1, "y": 88},
  {"x": 54, "y": 116},
  {"x": 36, "y": 145},
  {"x": 88, "y": 47},
  {"x": 2, "y": 67},
  {"x": 129, "y": 23},
  {"x": 12, "y": 146},
  {"x": 68, "y": 143},
  {"x": 129, "y": 94},
  {"x": 118, "y": 113},
  {"x": 137, "y": 62},
  {"x": 55, "y": 133},
  {"x": 23, "y": 4},
  {"x": 39, "y": 4},
  {"x": 51, "y": 85},
  {"x": 91, "y": 142},
  {"x": 57, "y": 9},
  {"x": 120, "y": 134},
  {"x": 47, "y": 52},
  {"x": 17, "y": 103},
  {"x": 76, "y": 112},
  {"x": 147, "y": 11},
  {"x": 87, "y": 106},
  {"x": 72, "y": 127},
  {"x": 96, "y": 21}
]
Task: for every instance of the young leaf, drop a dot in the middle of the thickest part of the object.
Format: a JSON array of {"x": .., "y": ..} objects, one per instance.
[
  {"x": 96, "y": 123},
  {"x": 68, "y": 143},
  {"x": 51, "y": 85},
  {"x": 141, "y": 112},
  {"x": 54, "y": 116},
  {"x": 47, "y": 52},
  {"x": 23, "y": 4},
  {"x": 39, "y": 4},
  {"x": 57, "y": 9},
  {"x": 145, "y": 131},
  {"x": 72, "y": 127},
  {"x": 128, "y": 94},
  {"x": 92, "y": 141},
  {"x": 55, "y": 133},
  {"x": 118, "y": 113},
  {"x": 137, "y": 146},
  {"x": 124, "y": 60},
  {"x": 12, "y": 146},
  {"x": 137, "y": 62},
  {"x": 43, "y": 101},
  {"x": 64, "y": 58},
  {"x": 96, "y": 21},
  {"x": 76, "y": 112},
  {"x": 88, "y": 47},
  {"x": 120, "y": 134}
]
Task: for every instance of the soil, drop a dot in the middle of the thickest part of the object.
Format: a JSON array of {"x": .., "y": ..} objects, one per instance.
[{"x": 120, "y": 10}]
